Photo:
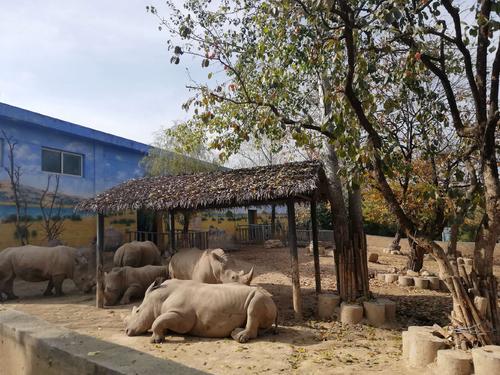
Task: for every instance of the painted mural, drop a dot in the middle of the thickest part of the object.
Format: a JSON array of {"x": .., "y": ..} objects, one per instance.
[{"x": 102, "y": 165}]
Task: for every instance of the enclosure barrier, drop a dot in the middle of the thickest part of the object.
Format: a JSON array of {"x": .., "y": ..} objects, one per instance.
[
  {"x": 260, "y": 233},
  {"x": 31, "y": 346},
  {"x": 194, "y": 238}
]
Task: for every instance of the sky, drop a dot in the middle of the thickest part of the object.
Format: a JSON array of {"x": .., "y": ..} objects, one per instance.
[{"x": 98, "y": 63}]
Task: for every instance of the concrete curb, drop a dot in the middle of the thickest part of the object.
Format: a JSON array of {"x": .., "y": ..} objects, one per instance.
[{"x": 29, "y": 345}]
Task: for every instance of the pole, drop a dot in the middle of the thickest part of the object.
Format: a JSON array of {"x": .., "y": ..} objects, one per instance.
[
  {"x": 99, "y": 262},
  {"x": 172, "y": 231},
  {"x": 314, "y": 228},
  {"x": 292, "y": 239}
]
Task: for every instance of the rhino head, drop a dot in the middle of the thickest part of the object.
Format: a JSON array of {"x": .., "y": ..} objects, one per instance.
[
  {"x": 83, "y": 276},
  {"x": 222, "y": 266},
  {"x": 142, "y": 317},
  {"x": 113, "y": 285}
]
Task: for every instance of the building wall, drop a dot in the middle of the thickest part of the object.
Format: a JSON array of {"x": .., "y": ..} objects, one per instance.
[{"x": 104, "y": 165}]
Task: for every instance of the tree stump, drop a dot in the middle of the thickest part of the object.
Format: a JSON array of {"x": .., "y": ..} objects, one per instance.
[
  {"x": 453, "y": 362},
  {"x": 486, "y": 360}
]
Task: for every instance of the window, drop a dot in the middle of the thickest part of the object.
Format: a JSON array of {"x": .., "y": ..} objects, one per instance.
[{"x": 55, "y": 161}]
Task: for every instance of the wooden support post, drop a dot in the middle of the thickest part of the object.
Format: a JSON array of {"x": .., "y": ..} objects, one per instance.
[
  {"x": 99, "y": 262},
  {"x": 292, "y": 243},
  {"x": 160, "y": 240},
  {"x": 171, "y": 228},
  {"x": 314, "y": 225}
]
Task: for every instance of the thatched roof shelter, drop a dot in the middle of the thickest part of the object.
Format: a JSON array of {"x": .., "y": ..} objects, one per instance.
[
  {"x": 285, "y": 183},
  {"x": 300, "y": 181}
]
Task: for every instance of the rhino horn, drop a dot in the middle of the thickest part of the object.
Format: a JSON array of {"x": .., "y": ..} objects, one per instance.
[{"x": 247, "y": 279}]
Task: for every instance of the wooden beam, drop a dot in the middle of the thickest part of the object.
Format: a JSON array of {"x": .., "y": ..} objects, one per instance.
[
  {"x": 292, "y": 243},
  {"x": 99, "y": 262},
  {"x": 314, "y": 228},
  {"x": 171, "y": 229}
]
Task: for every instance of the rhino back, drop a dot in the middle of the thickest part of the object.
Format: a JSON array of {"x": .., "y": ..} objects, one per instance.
[
  {"x": 182, "y": 264},
  {"x": 145, "y": 275},
  {"x": 38, "y": 263},
  {"x": 150, "y": 254}
]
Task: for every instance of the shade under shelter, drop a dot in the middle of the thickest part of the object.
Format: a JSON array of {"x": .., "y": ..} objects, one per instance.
[{"x": 277, "y": 184}]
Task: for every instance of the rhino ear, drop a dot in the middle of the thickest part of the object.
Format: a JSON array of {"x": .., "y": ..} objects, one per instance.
[{"x": 219, "y": 255}]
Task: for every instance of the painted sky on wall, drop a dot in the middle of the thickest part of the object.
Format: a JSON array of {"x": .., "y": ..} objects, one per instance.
[{"x": 98, "y": 63}]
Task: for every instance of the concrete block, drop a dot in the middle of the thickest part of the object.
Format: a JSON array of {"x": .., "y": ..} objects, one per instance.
[
  {"x": 453, "y": 362},
  {"x": 29, "y": 345},
  {"x": 391, "y": 277},
  {"x": 405, "y": 280},
  {"x": 390, "y": 310},
  {"x": 381, "y": 277},
  {"x": 421, "y": 283},
  {"x": 351, "y": 313},
  {"x": 327, "y": 302},
  {"x": 374, "y": 312},
  {"x": 423, "y": 348},
  {"x": 486, "y": 360},
  {"x": 433, "y": 282}
]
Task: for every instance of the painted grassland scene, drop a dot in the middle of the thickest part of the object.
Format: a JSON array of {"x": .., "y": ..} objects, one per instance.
[{"x": 325, "y": 200}]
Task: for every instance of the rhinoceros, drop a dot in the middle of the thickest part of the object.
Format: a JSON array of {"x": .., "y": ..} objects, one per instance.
[
  {"x": 122, "y": 284},
  {"x": 204, "y": 310},
  {"x": 208, "y": 266},
  {"x": 38, "y": 263},
  {"x": 137, "y": 254}
]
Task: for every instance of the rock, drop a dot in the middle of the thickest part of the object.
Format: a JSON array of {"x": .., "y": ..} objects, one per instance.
[
  {"x": 412, "y": 273},
  {"x": 421, "y": 283},
  {"x": 387, "y": 251},
  {"x": 453, "y": 362},
  {"x": 351, "y": 313},
  {"x": 272, "y": 244},
  {"x": 327, "y": 302},
  {"x": 405, "y": 280},
  {"x": 486, "y": 360},
  {"x": 392, "y": 270},
  {"x": 321, "y": 249},
  {"x": 373, "y": 257},
  {"x": 425, "y": 273}
]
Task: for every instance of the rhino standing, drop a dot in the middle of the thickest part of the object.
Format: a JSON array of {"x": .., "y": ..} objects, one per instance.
[
  {"x": 205, "y": 310},
  {"x": 209, "y": 266},
  {"x": 137, "y": 254},
  {"x": 38, "y": 263},
  {"x": 129, "y": 282}
]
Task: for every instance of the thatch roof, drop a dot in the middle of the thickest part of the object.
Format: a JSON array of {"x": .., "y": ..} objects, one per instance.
[{"x": 300, "y": 181}]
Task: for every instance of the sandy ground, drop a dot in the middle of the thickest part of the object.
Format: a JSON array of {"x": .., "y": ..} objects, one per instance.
[{"x": 308, "y": 347}]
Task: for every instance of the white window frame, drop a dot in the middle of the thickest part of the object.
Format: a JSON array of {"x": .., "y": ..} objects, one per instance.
[{"x": 62, "y": 162}]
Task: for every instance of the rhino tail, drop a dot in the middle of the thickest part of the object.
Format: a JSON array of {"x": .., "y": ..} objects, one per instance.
[{"x": 275, "y": 328}]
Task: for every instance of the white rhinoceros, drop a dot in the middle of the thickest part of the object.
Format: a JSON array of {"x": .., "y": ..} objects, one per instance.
[
  {"x": 39, "y": 263},
  {"x": 137, "y": 254},
  {"x": 206, "y": 266},
  {"x": 204, "y": 310}
]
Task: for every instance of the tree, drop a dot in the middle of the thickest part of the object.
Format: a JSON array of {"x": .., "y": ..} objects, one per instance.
[
  {"x": 51, "y": 206},
  {"x": 14, "y": 172},
  {"x": 179, "y": 150}
]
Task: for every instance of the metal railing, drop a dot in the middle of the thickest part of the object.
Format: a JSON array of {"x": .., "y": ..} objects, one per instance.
[
  {"x": 257, "y": 233},
  {"x": 194, "y": 238},
  {"x": 304, "y": 236}
]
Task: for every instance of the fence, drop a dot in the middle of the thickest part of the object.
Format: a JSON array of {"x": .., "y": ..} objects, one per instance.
[
  {"x": 257, "y": 233},
  {"x": 304, "y": 236},
  {"x": 197, "y": 239}
]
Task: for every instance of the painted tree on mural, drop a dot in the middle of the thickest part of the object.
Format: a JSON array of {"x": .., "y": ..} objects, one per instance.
[{"x": 302, "y": 68}]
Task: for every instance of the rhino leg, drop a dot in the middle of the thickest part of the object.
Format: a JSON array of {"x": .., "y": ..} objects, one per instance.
[
  {"x": 174, "y": 321},
  {"x": 256, "y": 317},
  {"x": 48, "y": 290},
  {"x": 57, "y": 280},
  {"x": 132, "y": 291},
  {"x": 8, "y": 288}
]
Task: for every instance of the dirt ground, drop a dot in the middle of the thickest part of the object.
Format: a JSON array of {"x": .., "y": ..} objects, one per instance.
[{"x": 308, "y": 347}]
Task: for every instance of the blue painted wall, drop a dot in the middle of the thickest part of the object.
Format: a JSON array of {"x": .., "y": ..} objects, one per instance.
[{"x": 107, "y": 159}]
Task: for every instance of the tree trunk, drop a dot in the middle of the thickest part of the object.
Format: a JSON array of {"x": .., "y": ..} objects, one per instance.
[
  {"x": 451, "y": 251},
  {"x": 185, "y": 229},
  {"x": 416, "y": 258},
  {"x": 397, "y": 239}
]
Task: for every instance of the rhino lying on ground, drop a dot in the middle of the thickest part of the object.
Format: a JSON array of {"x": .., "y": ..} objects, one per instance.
[
  {"x": 129, "y": 282},
  {"x": 209, "y": 266},
  {"x": 38, "y": 263},
  {"x": 205, "y": 310},
  {"x": 137, "y": 254}
]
